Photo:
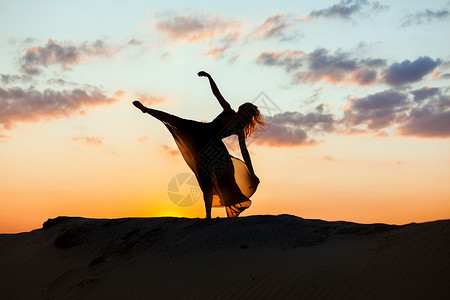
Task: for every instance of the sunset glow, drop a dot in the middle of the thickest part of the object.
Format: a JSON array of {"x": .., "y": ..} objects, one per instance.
[{"x": 355, "y": 93}]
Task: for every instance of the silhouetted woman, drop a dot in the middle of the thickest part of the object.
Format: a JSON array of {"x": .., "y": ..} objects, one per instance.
[{"x": 225, "y": 180}]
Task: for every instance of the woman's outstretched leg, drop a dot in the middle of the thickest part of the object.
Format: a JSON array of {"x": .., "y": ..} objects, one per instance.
[{"x": 160, "y": 115}]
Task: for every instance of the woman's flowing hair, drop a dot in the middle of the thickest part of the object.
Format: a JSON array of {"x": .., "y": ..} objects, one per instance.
[{"x": 253, "y": 118}]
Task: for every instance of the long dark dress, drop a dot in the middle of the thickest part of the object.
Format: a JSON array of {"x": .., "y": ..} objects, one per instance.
[{"x": 201, "y": 146}]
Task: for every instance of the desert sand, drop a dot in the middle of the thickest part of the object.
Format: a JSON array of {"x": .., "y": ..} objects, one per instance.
[{"x": 258, "y": 257}]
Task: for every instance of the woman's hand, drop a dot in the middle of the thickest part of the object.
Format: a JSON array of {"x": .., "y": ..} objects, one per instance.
[
  {"x": 255, "y": 180},
  {"x": 203, "y": 74}
]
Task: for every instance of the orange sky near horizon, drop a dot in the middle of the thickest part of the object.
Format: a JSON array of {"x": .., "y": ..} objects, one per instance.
[
  {"x": 56, "y": 178},
  {"x": 358, "y": 123}
]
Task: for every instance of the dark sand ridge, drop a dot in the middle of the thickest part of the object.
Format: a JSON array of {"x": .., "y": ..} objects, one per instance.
[{"x": 249, "y": 257}]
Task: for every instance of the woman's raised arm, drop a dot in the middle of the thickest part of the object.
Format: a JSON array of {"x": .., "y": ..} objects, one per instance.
[{"x": 225, "y": 105}]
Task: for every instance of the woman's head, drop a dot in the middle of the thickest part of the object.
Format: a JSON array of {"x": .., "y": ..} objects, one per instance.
[{"x": 250, "y": 116}]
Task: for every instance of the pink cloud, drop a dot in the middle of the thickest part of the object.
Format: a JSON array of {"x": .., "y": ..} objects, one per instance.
[
  {"x": 423, "y": 113},
  {"x": 278, "y": 135},
  {"x": 351, "y": 131},
  {"x": 4, "y": 138},
  {"x": 31, "y": 105},
  {"x": 279, "y": 26},
  {"x": 173, "y": 152},
  {"x": 328, "y": 158},
  {"x": 323, "y": 65},
  {"x": 143, "y": 139},
  {"x": 220, "y": 48},
  {"x": 376, "y": 111},
  {"x": 292, "y": 129},
  {"x": 426, "y": 122},
  {"x": 194, "y": 27},
  {"x": 288, "y": 59},
  {"x": 89, "y": 141},
  {"x": 148, "y": 99},
  {"x": 64, "y": 54}
]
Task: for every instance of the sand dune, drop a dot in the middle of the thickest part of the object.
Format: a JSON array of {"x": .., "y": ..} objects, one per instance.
[{"x": 250, "y": 257}]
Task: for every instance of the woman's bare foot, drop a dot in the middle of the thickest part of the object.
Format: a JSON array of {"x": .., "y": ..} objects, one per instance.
[{"x": 140, "y": 106}]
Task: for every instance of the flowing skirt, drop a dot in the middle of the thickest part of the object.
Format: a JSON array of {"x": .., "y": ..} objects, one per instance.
[{"x": 207, "y": 156}]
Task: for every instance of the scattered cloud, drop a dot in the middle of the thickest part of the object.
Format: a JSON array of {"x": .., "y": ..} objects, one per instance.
[
  {"x": 62, "y": 82},
  {"x": 194, "y": 27},
  {"x": 119, "y": 94},
  {"x": 63, "y": 54},
  {"x": 351, "y": 130},
  {"x": 342, "y": 10},
  {"x": 429, "y": 117},
  {"x": 279, "y": 135},
  {"x": 234, "y": 57},
  {"x": 222, "y": 32},
  {"x": 4, "y": 138},
  {"x": 339, "y": 67},
  {"x": 148, "y": 99},
  {"x": 409, "y": 71},
  {"x": 17, "y": 41},
  {"x": 426, "y": 16},
  {"x": 287, "y": 59},
  {"x": 9, "y": 79},
  {"x": 221, "y": 47},
  {"x": 425, "y": 93},
  {"x": 382, "y": 134},
  {"x": 317, "y": 122},
  {"x": 143, "y": 139},
  {"x": 377, "y": 111},
  {"x": 57, "y": 81},
  {"x": 322, "y": 65},
  {"x": 219, "y": 32},
  {"x": 290, "y": 129},
  {"x": 135, "y": 42},
  {"x": 31, "y": 105},
  {"x": 280, "y": 26},
  {"x": 173, "y": 152},
  {"x": 328, "y": 158},
  {"x": 165, "y": 57},
  {"x": 89, "y": 141},
  {"x": 426, "y": 122},
  {"x": 426, "y": 115},
  {"x": 346, "y": 9},
  {"x": 314, "y": 98}
]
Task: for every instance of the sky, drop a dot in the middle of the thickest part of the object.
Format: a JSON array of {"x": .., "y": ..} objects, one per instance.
[{"x": 355, "y": 95}]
